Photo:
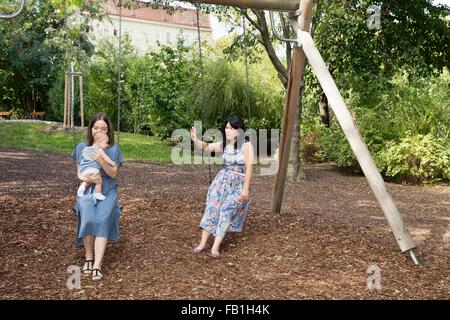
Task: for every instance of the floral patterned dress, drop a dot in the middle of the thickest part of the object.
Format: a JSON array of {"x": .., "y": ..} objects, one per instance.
[{"x": 223, "y": 210}]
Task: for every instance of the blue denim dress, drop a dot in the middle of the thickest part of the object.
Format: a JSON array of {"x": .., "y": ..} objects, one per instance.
[{"x": 98, "y": 218}]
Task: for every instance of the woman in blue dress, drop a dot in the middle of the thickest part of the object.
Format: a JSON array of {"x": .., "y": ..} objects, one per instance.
[
  {"x": 228, "y": 196},
  {"x": 98, "y": 221}
]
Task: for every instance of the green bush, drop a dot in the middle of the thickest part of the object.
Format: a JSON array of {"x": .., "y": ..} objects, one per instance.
[
  {"x": 334, "y": 147},
  {"x": 260, "y": 103},
  {"x": 416, "y": 158},
  {"x": 389, "y": 109}
]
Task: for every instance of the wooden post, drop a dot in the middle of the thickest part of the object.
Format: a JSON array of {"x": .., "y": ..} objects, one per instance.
[
  {"x": 72, "y": 94},
  {"x": 69, "y": 81},
  {"x": 65, "y": 99},
  {"x": 292, "y": 100},
  {"x": 357, "y": 144},
  {"x": 81, "y": 100}
]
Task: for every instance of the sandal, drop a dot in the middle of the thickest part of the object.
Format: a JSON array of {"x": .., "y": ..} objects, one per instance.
[
  {"x": 88, "y": 265},
  {"x": 97, "y": 274},
  {"x": 198, "y": 251},
  {"x": 215, "y": 255}
]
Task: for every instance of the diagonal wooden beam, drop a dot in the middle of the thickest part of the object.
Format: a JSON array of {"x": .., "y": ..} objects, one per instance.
[{"x": 357, "y": 144}]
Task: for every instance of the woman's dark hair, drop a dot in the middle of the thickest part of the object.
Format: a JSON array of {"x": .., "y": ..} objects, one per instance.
[
  {"x": 97, "y": 117},
  {"x": 235, "y": 123}
]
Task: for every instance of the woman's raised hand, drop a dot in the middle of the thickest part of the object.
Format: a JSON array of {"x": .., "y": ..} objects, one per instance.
[
  {"x": 194, "y": 134},
  {"x": 95, "y": 155}
]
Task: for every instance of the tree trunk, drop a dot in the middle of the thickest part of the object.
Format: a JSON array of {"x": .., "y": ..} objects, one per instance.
[
  {"x": 323, "y": 109},
  {"x": 295, "y": 170},
  {"x": 262, "y": 27},
  {"x": 286, "y": 34}
]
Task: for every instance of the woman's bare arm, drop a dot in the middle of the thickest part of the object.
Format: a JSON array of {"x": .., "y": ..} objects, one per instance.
[
  {"x": 211, "y": 147},
  {"x": 248, "y": 161},
  {"x": 214, "y": 147},
  {"x": 106, "y": 158},
  {"x": 110, "y": 171}
]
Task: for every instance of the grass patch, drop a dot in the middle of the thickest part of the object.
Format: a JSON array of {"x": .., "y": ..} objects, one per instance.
[{"x": 33, "y": 136}]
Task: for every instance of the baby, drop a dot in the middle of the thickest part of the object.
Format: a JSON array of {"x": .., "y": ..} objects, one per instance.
[{"x": 88, "y": 165}]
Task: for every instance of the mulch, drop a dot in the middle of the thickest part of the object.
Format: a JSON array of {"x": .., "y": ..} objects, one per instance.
[{"x": 330, "y": 231}]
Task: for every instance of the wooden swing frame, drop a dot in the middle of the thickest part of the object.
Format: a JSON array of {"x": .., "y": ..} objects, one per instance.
[
  {"x": 306, "y": 49},
  {"x": 68, "y": 97}
]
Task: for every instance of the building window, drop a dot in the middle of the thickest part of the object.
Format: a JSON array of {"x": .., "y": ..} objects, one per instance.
[
  {"x": 187, "y": 41},
  {"x": 115, "y": 32},
  {"x": 158, "y": 36},
  {"x": 168, "y": 37}
]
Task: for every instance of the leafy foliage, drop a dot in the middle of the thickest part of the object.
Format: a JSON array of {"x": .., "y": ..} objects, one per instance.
[
  {"x": 416, "y": 158},
  {"x": 402, "y": 108}
]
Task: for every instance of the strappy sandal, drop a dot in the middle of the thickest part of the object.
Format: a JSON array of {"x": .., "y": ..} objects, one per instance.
[
  {"x": 215, "y": 255},
  {"x": 88, "y": 266},
  {"x": 97, "y": 274},
  {"x": 198, "y": 251}
]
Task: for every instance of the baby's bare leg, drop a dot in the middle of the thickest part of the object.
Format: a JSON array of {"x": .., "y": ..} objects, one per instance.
[
  {"x": 82, "y": 188},
  {"x": 98, "y": 192},
  {"x": 98, "y": 188},
  {"x": 86, "y": 184}
]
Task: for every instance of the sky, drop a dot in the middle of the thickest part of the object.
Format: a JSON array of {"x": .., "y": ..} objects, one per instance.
[{"x": 447, "y": 2}]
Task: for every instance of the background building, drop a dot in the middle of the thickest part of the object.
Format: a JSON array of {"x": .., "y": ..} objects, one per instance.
[{"x": 146, "y": 26}]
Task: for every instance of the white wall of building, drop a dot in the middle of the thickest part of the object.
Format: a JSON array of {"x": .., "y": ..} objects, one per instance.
[{"x": 144, "y": 35}]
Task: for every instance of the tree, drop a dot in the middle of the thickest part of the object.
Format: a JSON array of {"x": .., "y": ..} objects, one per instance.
[
  {"x": 27, "y": 59},
  {"x": 347, "y": 43},
  {"x": 258, "y": 34},
  {"x": 33, "y": 47},
  {"x": 414, "y": 36}
]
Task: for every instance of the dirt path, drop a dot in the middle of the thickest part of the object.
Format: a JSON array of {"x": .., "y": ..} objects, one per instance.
[{"x": 330, "y": 231}]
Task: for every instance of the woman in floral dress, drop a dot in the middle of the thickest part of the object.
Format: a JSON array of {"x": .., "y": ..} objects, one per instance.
[{"x": 228, "y": 196}]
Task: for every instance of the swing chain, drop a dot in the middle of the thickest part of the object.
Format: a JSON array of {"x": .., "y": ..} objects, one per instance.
[
  {"x": 70, "y": 75},
  {"x": 119, "y": 76},
  {"x": 246, "y": 68},
  {"x": 202, "y": 73}
]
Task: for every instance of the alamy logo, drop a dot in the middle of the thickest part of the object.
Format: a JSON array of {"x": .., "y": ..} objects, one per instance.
[
  {"x": 374, "y": 20},
  {"x": 182, "y": 152},
  {"x": 374, "y": 277},
  {"x": 74, "y": 280}
]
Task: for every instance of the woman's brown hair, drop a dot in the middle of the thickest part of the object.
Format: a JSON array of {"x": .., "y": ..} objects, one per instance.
[{"x": 97, "y": 117}]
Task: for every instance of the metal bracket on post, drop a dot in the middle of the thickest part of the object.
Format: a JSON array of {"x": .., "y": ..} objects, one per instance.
[
  {"x": 292, "y": 16},
  {"x": 293, "y": 20},
  {"x": 413, "y": 257}
]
